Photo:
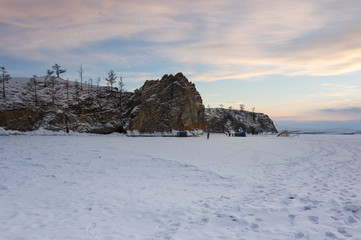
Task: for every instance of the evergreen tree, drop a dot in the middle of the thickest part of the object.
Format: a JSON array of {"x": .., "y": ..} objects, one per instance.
[
  {"x": 87, "y": 85},
  {"x": 67, "y": 88},
  {"x": 32, "y": 87},
  {"x": 58, "y": 69},
  {"x": 91, "y": 84},
  {"x": 121, "y": 89},
  {"x": 241, "y": 107},
  {"x": 111, "y": 79},
  {"x": 49, "y": 73},
  {"x": 81, "y": 71},
  {"x": 76, "y": 96},
  {"x": 4, "y": 78},
  {"x": 52, "y": 85},
  {"x": 98, "y": 82},
  {"x": 253, "y": 114}
]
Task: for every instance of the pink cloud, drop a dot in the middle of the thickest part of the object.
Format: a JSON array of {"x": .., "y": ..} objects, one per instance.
[{"x": 256, "y": 38}]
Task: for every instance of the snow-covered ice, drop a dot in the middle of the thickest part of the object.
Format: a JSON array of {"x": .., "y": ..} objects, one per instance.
[{"x": 115, "y": 187}]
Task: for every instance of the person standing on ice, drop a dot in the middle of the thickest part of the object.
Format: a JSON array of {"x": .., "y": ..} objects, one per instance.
[{"x": 207, "y": 135}]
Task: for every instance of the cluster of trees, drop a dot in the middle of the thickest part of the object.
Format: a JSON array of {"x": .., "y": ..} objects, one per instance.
[
  {"x": 241, "y": 107},
  {"x": 50, "y": 81}
]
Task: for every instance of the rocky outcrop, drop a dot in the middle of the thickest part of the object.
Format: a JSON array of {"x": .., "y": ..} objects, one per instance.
[
  {"x": 222, "y": 120},
  {"x": 23, "y": 119},
  {"x": 172, "y": 103}
]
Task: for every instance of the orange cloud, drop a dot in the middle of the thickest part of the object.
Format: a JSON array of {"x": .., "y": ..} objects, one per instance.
[{"x": 236, "y": 39}]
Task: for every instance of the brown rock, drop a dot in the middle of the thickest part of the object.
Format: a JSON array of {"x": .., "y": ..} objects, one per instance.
[
  {"x": 21, "y": 119},
  {"x": 172, "y": 103}
]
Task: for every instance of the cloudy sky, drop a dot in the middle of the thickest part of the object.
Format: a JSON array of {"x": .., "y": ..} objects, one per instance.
[{"x": 293, "y": 60}]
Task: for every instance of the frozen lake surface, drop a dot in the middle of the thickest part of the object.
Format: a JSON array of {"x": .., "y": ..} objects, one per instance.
[{"x": 114, "y": 187}]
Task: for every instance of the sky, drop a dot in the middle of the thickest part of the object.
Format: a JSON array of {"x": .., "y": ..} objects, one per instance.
[{"x": 296, "y": 61}]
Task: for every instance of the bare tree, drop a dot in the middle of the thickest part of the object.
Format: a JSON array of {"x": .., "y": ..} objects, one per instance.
[
  {"x": 87, "y": 85},
  {"x": 4, "y": 78},
  {"x": 98, "y": 82},
  {"x": 81, "y": 71},
  {"x": 52, "y": 85},
  {"x": 91, "y": 84},
  {"x": 241, "y": 107},
  {"x": 121, "y": 89},
  {"x": 58, "y": 70},
  {"x": 49, "y": 73},
  {"x": 76, "y": 96},
  {"x": 67, "y": 88},
  {"x": 111, "y": 79},
  {"x": 253, "y": 114},
  {"x": 32, "y": 87}
]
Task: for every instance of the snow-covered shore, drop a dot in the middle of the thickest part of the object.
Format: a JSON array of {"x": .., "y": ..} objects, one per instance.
[{"x": 110, "y": 187}]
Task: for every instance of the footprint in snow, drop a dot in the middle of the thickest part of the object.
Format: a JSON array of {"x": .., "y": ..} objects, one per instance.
[
  {"x": 313, "y": 219},
  {"x": 343, "y": 231},
  {"x": 351, "y": 220},
  {"x": 292, "y": 218},
  {"x": 299, "y": 235},
  {"x": 92, "y": 228},
  {"x": 352, "y": 208},
  {"x": 306, "y": 208},
  {"x": 254, "y": 226},
  {"x": 331, "y": 235}
]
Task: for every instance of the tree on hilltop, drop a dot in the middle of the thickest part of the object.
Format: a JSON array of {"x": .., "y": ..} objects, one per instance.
[
  {"x": 91, "y": 84},
  {"x": 241, "y": 107},
  {"x": 67, "y": 88},
  {"x": 58, "y": 69},
  {"x": 52, "y": 85},
  {"x": 111, "y": 79},
  {"x": 4, "y": 78},
  {"x": 253, "y": 114},
  {"x": 121, "y": 89},
  {"x": 81, "y": 71},
  {"x": 32, "y": 87},
  {"x": 76, "y": 95},
  {"x": 98, "y": 82},
  {"x": 49, "y": 73}
]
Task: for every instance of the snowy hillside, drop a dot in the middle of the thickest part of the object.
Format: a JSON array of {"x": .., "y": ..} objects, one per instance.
[
  {"x": 111, "y": 187},
  {"x": 222, "y": 120},
  {"x": 60, "y": 105},
  {"x": 172, "y": 103},
  {"x": 19, "y": 94}
]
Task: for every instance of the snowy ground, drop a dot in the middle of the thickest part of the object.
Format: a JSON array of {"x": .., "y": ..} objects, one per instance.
[{"x": 114, "y": 187}]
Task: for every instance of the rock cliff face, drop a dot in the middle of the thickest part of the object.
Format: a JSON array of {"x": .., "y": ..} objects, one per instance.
[
  {"x": 222, "y": 120},
  {"x": 170, "y": 103}
]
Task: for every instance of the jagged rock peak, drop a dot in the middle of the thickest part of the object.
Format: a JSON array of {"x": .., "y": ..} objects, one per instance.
[
  {"x": 179, "y": 78},
  {"x": 172, "y": 103}
]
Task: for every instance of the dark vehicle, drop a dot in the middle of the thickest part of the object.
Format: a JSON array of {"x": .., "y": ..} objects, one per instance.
[{"x": 240, "y": 134}]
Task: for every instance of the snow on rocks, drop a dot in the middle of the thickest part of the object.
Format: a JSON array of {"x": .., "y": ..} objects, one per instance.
[{"x": 110, "y": 187}]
